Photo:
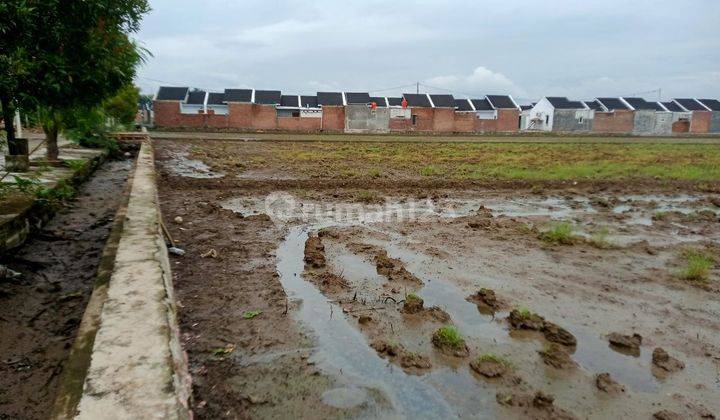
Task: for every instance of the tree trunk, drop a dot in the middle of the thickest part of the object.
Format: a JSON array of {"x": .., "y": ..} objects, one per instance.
[
  {"x": 51, "y": 126},
  {"x": 8, "y": 116},
  {"x": 51, "y": 136}
]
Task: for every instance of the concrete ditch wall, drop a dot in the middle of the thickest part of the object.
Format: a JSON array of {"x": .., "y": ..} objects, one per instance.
[{"x": 138, "y": 369}]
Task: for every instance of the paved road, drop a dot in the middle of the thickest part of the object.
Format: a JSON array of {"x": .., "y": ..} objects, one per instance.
[{"x": 525, "y": 138}]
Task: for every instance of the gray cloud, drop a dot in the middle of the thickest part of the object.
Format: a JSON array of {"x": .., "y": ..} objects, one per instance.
[{"x": 527, "y": 48}]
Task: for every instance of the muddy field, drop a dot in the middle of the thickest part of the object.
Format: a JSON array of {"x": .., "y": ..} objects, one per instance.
[
  {"x": 403, "y": 294},
  {"x": 41, "y": 309}
]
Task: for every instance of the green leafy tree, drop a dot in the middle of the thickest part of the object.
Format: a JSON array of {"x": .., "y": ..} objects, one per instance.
[
  {"x": 69, "y": 54},
  {"x": 123, "y": 107}
]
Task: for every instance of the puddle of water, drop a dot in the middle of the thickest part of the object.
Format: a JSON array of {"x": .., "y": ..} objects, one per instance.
[
  {"x": 347, "y": 397},
  {"x": 342, "y": 350},
  {"x": 180, "y": 165}
]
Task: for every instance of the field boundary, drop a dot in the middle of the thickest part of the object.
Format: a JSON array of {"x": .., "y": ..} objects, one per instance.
[{"x": 137, "y": 366}]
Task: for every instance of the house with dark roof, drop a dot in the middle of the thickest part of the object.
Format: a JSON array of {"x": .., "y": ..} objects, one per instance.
[
  {"x": 650, "y": 118},
  {"x": 616, "y": 116},
  {"x": 702, "y": 114},
  {"x": 559, "y": 114}
]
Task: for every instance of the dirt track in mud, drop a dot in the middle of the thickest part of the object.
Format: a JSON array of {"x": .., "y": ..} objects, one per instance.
[
  {"x": 41, "y": 310},
  {"x": 330, "y": 327}
]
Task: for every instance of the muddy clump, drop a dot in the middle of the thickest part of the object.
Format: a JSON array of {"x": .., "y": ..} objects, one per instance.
[
  {"x": 414, "y": 304},
  {"x": 449, "y": 341},
  {"x": 607, "y": 384},
  {"x": 486, "y": 300},
  {"x": 398, "y": 354},
  {"x": 556, "y": 356},
  {"x": 664, "y": 364},
  {"x": 331, "y": 283},
  {"x": 522, "y": 319},
  {"x": 557, "y": 334},
  {"x": 393, "y": 269},
  {"x": 490, "y": 366},
  {"x": 627, "y": 344},
  {"x": 315, "y": 252},
  {"x": 537, "y": 406},
  {"x": 667, "y": 415}
]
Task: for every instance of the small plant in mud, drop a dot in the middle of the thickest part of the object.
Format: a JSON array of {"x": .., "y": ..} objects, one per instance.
[
  {"x": 413, "y": 304},
  {"x": 524, "y": 312},
  {"x": 251, "y": 314},
  {"x": 222, "y": 351},
  {"x": 375, "y": 173},
  {"x": 448, "y": 336},
  {"x": 660, "y": 215},
  {"x": 27, "y": 185},
  {"x": 698, "y": 266},
  {"x": 490, "y": 357},
  {"x": 367, "y": 196},
  {"x": 62, "y": 191},
  {"x": 559, "y": 233},
  {"x": 600, "y": 240},
  {"x": 428, "y": 171}
]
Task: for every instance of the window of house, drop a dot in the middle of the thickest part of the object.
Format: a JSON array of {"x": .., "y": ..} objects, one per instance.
[
  {"x": 547, "y": 119},
  {"x": 414, "y": 119},
  {"x": 581, "y": 120}
]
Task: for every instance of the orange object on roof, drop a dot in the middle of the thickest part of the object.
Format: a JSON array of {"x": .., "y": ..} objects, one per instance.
[{"x": 404, "y": 103}]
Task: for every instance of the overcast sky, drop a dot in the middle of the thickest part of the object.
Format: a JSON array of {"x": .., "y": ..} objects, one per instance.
[{"x": 527, "y": 48}]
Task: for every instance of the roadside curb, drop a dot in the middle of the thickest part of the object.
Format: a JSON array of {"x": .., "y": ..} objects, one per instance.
[{"x": 137, "y": 366}]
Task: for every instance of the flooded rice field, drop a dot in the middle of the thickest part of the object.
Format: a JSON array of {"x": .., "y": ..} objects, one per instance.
[{"x": 324, "y": 300}]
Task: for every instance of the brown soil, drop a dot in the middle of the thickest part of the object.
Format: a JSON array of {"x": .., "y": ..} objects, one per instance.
[
  {"x": 41, "y": 310},
  {"x": 369, "y": 269},
  {"x": 663, "y": 363},
  {"x": 314, "y": 252},
  {"x": 626, "y": 343},
  {"x": 606, "y": 383},
  {"x": 489, "y": 368},
  {"x": 556, "y": 356},
  {"x": 486, "y": 301},
  {"x": 539, "y": 406}
]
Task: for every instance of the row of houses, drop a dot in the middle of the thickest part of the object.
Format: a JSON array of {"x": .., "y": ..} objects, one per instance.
[
  {"x": 358, "y": 112},
  {"x": 623, "y": 115}
]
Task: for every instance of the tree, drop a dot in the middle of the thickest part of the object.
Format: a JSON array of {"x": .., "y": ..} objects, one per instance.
[
  {"x": 74, "y": 54},
  {"x": 123, "y": 107}
]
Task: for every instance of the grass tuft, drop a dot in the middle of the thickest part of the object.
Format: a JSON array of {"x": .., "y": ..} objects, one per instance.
[
  {"x": 698, "y": 266},
  {"x": 429, "y": 170},
  {"x": 524, "y": 312},
  {"x": 559, "y": 233},
  {"x": 449, "y": 336},
  {"x": 367, "y": 196},
  {"x": 600, "y": 240},
  {"x": 413, "y": 297},
  {"x": 251, "y": 314},
  {"x": 490, "y": 357}
]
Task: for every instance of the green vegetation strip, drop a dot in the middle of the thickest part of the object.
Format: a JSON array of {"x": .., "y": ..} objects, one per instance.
[{"x": 540, "y": 162}]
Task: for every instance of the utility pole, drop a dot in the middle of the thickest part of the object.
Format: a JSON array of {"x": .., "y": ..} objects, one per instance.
[{"x": 417, "y": 88}]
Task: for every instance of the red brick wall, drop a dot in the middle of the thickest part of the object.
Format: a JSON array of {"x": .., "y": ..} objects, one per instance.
[
  {"x": 485, "y": 126},
  {"x": 213, "y": 120},
  {"x": 167, "y": 113},
  {"x": 240, "y": 115},
  {"x": 333, "y": 118},
  {"x": 264, "y": 117},
  {"x": 700, "y": 122},
  {"x": 619, "y": 121},
  {"x": 424, "y": 119},
  {"x": 464, "y": 122},
  {"x": 681, "y": 127},
  {"x": 400, "y": 124},
  {"x": 299, "y": 124},
  {"x": 508, "y": 120},
  {"x": 444, "y": 120}
]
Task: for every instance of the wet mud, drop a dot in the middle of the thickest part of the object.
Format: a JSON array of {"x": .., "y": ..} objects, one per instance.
[
  {"x": 352, "y": 301},
  {"x": 40, "y": 311}
]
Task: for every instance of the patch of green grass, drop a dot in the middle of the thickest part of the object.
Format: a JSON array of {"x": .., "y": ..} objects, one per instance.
[
  {"x": 413, "y": 297},
  {"x": 524, "y": 312},
  {"x": 450, "y": 337},
  {"x": 375, "y": 172},
  {"x": 698, "y": 266},
  {"x": 599, "y": 239},
  {"x": 367, "y": 196},
  {"x": 559, "y": 233},
  {"x": 251, "y": 314},
  {"x": 660, "y": 215},
  {"x": 429, "y": 170},
  {"x": 491, "y": 357},
  {"x": 75, "y": 164}
]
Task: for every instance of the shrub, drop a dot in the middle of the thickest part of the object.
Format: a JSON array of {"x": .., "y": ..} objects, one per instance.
[{"x": 449, "y": 336}]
